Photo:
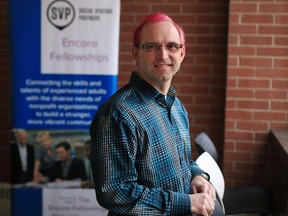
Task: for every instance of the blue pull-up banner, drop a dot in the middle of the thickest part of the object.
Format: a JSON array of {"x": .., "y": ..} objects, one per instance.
[{"x": 64, "y": 57}]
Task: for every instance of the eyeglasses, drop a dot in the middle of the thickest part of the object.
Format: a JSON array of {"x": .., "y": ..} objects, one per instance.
[{"x": 155, "y": 47}]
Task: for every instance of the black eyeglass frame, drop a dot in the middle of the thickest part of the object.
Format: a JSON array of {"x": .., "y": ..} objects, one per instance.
[{"x": 170, "y": 47}]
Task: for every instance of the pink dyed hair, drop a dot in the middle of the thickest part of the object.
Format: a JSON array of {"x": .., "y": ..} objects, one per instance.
[{"x": 154, "y": 18}]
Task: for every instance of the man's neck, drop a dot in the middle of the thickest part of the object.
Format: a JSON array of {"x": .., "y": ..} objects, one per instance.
[
  {"x": 67, "y": 161},
  {"x": 21, "y": 144},
  {"x": 161, "y": 86}
]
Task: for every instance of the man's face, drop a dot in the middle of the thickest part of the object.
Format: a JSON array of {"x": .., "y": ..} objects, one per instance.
[
  {"x": 158, "y": 68},
  {"x": 62, "y": 153},
  {"x": 22, "y": 138}
]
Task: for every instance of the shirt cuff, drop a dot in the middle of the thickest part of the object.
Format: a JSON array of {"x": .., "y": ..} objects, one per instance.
[
  {"x": 206, "y": 176},
  {"x": 181, "y": 204}
]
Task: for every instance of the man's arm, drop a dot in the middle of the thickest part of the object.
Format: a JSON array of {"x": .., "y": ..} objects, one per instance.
[
  {"x": 114, "y": 151},
  {"x": 203, "y": 196},
  {"x": 54, "y": 171},
  {"x": 196, "y": 170},
  {"x": 80, "y": 169}
]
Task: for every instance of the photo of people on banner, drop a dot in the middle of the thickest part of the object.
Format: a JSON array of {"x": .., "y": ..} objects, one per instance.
[{"x": 43, "y": 157}]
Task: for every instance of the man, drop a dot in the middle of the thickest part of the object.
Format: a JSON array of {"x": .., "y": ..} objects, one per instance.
[
  {"x": 87, "y": 163},
  {"x": 141, "y": 152},
  {"x": 22, "y": 159},
  {"x": 66, "y": 168}
]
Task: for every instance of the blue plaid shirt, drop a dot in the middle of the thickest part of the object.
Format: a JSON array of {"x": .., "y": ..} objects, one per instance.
[{"x": 141, "y": 152}]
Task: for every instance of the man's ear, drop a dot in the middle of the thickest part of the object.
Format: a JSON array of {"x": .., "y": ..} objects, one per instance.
[
  {"x": 183, "y": 53},
  {"x": 135, "y": 54}
]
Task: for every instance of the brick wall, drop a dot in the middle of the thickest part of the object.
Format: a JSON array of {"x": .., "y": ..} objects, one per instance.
[
  {"x": 257, "y": 93},
  {"x": 201, "y": 80}
]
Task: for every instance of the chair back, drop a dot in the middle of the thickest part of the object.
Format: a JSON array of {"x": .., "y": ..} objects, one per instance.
[
  {"x": 205, "y": 144},
  {"x": 209, "y": 165}
]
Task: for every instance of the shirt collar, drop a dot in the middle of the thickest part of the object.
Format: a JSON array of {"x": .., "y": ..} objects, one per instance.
[
  {"x": 21, "y": 146},
  {"x": 146, "y": 90}
]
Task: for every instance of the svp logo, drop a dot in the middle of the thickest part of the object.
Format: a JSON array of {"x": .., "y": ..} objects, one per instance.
[{"x": 60, "y": 13}]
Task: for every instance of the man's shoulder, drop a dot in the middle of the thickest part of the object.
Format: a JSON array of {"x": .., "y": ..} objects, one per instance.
[
  {"x": 30, "y": 147},
  {"x": 57, "y": 163},
  {"x": 14, "y": 146},
  {"x": 120, "y": 99},
  {"x": 77, "y": 161}
]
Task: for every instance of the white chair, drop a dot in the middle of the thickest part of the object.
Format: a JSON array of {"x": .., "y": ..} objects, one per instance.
[{"x": 209, "y": 165}]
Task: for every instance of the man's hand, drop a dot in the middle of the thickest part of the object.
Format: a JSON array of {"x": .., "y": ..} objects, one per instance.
[
  {"x": 202, "y": 204},
  {"x": 203, "y": 196},
  {"x": 200, "y": 185}
]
